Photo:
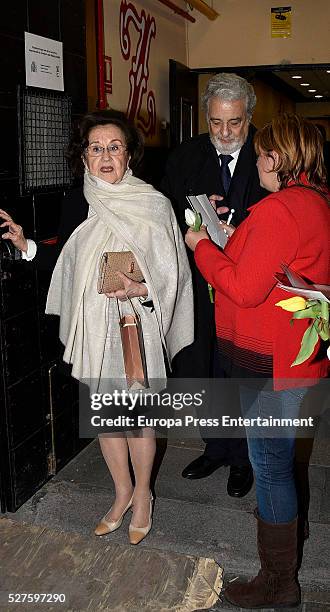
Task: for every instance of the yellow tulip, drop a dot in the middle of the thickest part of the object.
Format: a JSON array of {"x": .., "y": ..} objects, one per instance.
[{"x": 293, "y": 304}]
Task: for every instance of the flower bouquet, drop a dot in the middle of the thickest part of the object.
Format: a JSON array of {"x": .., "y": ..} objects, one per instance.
[{"x": 315, "y": 307}]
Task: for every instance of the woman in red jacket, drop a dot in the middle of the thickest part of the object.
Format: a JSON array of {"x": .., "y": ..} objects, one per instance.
[{"x": 255, "y": 338}]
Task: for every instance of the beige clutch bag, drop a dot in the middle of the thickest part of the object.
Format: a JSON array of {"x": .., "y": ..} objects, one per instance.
[{"x": 117, "y": 261}]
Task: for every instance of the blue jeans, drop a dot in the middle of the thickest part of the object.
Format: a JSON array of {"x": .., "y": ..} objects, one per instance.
[{"x": 272, "y": 459}]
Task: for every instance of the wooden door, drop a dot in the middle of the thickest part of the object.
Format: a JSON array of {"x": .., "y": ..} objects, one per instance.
[{"x": 183, "y": 84}]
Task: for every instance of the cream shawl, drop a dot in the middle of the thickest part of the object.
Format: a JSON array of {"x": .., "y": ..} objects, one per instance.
[{"x": 130, "y": 215}]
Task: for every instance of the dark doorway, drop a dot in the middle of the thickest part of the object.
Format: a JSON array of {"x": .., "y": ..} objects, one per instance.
[
  {"x": 38, "y": 415},
  {"x": 184, "y": 96}
]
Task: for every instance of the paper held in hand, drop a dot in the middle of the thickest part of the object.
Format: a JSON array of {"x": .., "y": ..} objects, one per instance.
[
  {"x": 202, "y": 205},
  {"x": 293, "y": 282}
]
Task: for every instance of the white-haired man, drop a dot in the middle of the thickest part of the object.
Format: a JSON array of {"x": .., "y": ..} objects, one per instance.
[{"x": 222, "y": 164}]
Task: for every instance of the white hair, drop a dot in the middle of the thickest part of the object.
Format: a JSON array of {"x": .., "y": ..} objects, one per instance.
[{"x": 229, "y": 86}]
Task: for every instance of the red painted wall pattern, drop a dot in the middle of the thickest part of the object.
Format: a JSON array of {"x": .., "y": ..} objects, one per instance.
[{"x": 138, "y": 76}]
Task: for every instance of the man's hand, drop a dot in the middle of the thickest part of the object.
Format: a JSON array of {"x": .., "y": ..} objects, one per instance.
[
  {"x": 220, "y": 210},
  {"x": 14, "y": 233},
  {"x": 131, "y": 289},
  {"x": 193, "y": 238}
]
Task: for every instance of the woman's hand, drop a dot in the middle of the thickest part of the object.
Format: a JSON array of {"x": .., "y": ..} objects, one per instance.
[
  {"x": 228, "y": 229},
  {"x": 14, "y": 233},
  {"x": 193, "y": 238},
  {"x": 131, "y": 289}
]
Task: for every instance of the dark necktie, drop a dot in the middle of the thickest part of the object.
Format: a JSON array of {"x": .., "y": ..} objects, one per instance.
[{"x": 224, "y": 170}]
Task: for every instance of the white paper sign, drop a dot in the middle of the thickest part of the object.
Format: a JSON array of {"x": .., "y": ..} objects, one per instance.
[{"x": 43, "y": 62}]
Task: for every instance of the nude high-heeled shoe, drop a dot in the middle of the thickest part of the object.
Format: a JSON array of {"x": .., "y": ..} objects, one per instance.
[
  {"x": 137, "y": 534},
  {"x": 105, "y": 526}
]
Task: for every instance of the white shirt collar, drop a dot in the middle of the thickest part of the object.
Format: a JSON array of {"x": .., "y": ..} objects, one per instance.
[
  {"x": 234, "y": 155},
  {"x": 233, "y": 162}
]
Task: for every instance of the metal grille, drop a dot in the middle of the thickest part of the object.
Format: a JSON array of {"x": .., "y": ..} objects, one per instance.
[{"x": 45, "y": 128}]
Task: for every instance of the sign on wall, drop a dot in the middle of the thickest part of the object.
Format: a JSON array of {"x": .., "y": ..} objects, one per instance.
[
  {"x": 43, "y": 62},
  {"x": 281, "y": 22}
]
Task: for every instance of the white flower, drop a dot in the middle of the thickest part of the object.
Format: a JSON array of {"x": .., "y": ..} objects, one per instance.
[
  {"x": 193, "y": 219},
  {"x": 328, "y": 352},
  {"x": 190, "y": 217}
]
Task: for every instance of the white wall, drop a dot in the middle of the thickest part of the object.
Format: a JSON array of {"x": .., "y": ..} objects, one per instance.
[{"x": 241, "y": 36}]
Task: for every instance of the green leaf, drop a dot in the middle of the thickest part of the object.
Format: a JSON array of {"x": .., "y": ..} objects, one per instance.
[
  {"x": 210, "y": 288},
  {"x": 325, "y": 310},
  {"x": 323, "y": 329},
  {"x": 198, "y": 223},
  {"x": 308, "y": 343},
  {"x": 307, "y": 313}
]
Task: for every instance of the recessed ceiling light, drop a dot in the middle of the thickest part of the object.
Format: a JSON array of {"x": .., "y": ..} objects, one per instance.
[
  {"x": 318, "y": 96},
  {"x": 296, "y": 77},
  {"x": 328, "y": 70},
  {"x": 304, "y": 84},
  {"x": 312, "y": 90}
]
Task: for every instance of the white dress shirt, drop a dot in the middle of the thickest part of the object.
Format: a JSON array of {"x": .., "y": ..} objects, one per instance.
[
  {"x": 233, "y": 162},
  {"x": 31, "y": 250}
]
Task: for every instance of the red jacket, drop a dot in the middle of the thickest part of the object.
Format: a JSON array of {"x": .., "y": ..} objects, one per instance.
[{"x": 290, "y": 226}]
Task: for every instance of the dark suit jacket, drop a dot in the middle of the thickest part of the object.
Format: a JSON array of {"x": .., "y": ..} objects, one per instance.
[
  {"x": 192, "y": 169},
  {"x": 74, "y": 211}
]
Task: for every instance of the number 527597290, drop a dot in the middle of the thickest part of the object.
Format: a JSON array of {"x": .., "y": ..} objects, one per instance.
[{"x": 36, "y": 598}]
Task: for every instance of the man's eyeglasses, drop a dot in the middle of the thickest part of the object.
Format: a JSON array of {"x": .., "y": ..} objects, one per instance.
[{"x": 95, "y": 150}]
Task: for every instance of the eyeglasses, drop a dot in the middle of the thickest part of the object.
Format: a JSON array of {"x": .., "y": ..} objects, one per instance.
[{"x": 95, "y": 150}]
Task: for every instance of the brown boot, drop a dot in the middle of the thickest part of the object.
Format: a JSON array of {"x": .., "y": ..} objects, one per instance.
[{"x": 275, "y": 586}]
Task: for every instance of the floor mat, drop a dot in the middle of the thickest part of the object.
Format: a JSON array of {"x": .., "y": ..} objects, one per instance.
[{"x": 93, "y": 574}]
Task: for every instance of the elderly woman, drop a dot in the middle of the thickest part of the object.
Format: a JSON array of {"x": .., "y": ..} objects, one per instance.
[
  {"x": 255, "y": 338},
  {"x": 117, "y": 212}
]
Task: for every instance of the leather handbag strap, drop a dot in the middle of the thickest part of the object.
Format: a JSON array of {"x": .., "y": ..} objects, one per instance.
[{"x": 120, "y": 314}]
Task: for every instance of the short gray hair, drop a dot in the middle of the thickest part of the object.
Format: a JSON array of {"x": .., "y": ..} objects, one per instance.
[{"x": 229, "y": 86}]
